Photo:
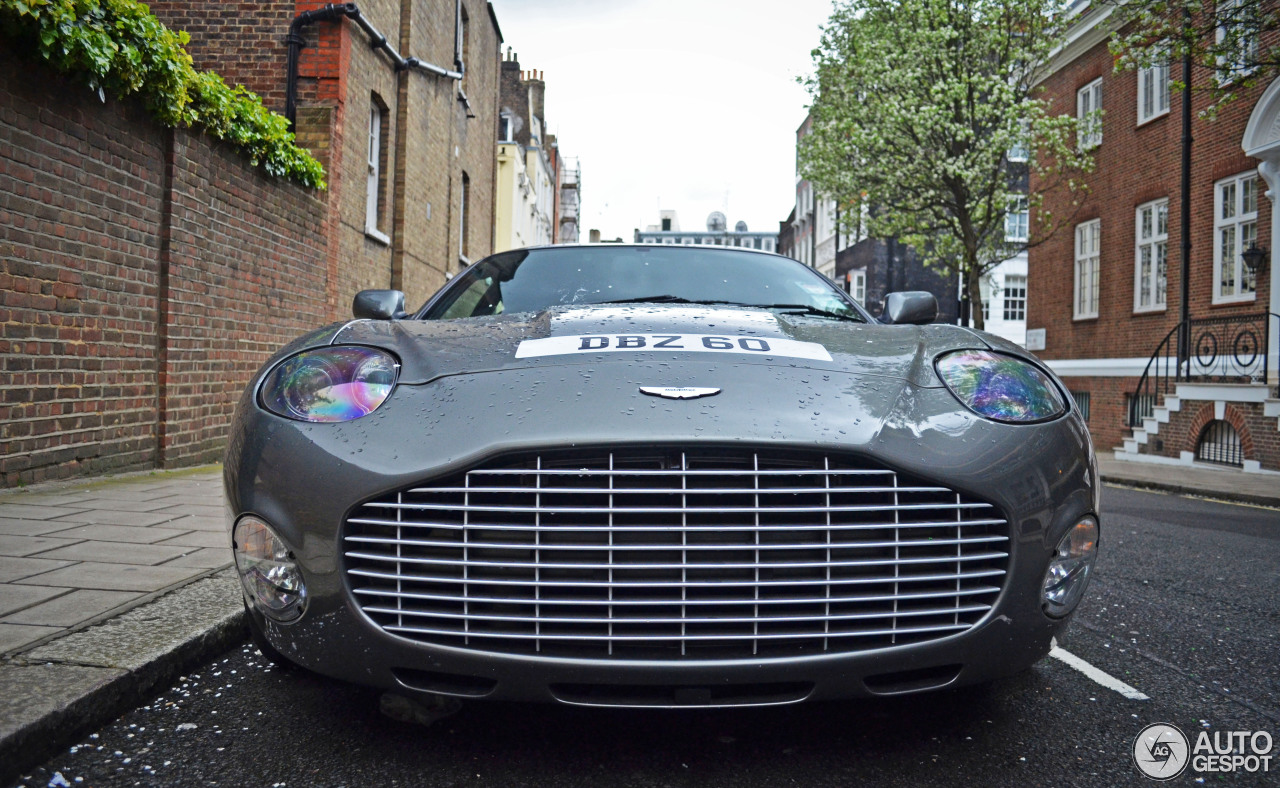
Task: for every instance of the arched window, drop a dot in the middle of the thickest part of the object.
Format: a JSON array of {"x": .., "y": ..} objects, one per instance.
[{"x": 1220, "y": 443}]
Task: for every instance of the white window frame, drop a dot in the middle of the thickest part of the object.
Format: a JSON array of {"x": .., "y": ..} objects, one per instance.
[
  {"x": 1019, "y": 152},
  {"x": 1015, "y": 301},
  {"x": 768, "y": 244},
  {"x": 372, "y": 200},
  {"x": 1151, "y": 235},
  {"x": 858, "y": 286},
  {"x": 1234, "y": 227},
  {"x": 1088, "y": 266},
  {"x": 1153, "y": 89},
  {"x": 1088, "y": 113},
  {"x": 1017, "y": 222},
  {"x": 1230, "y": 71}
]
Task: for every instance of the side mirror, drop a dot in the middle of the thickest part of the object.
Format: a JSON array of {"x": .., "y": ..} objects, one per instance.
[
  {"x": 378, "y": 304},
  {"x": 915, "y": 307}
]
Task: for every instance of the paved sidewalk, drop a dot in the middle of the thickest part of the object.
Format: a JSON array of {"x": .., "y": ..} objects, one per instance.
[
  {"x": 1226, "y": 484},
  {"x": 73, "y": 555},
  {"x": 107, "y": 590},
  {"x": 110, "y": 589}
]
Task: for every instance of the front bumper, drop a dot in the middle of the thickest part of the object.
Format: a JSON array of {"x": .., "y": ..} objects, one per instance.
[{"x": 341, "y": 643}]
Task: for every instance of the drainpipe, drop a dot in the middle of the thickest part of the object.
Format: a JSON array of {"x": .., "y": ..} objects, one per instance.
[
  {"x": 335, "y": 11},
  {"x": 1184, "y": 335}
]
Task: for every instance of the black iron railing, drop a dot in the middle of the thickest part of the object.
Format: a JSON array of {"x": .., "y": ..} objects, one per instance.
[
  {"x": 1219, "y": 443},
  {"x": 1158, "y": 378},
  {"x": 1231, "y": 349}
]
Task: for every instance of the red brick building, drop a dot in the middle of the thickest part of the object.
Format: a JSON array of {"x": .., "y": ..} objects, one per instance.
[
  {"x": 1106, "y": 300},
  {"x": 409, "y": 151}
]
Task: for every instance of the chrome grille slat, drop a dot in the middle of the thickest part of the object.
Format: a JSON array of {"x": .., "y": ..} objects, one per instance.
[
  {"x": 691, "y": 491},
  {"x": 673, "y": 638},
  {"x": 625, "y": 602},
  {"x": 658, "y": 553},
  {"x": 683, "y": 584},
  {"x": 687, "y": 472},
  {"x": 448, "y": 507},
  {"x": 681, "y": 620},
  {"x": 666, "y": 529},
  {"x": 685, "y": 565},
  {"x": 641, "y": 547}
]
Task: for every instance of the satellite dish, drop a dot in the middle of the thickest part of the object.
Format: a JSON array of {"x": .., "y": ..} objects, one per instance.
[
  {"x": 740, "y": 227},
  {"x": 716, "y": 222}
]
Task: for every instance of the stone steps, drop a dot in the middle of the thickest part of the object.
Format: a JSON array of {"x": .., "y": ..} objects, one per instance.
[{"x": 1220, "y": 394}]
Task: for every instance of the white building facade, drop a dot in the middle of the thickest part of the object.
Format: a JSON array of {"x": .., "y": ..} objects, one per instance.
[{"x": 667, "y": 231}]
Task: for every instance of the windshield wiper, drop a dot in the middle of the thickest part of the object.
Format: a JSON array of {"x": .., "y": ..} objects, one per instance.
[
  {"x": 665, "y": 299},
  {"x": 807, "y": 309}
]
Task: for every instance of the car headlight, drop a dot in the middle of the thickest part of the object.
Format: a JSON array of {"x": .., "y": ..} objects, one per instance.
[
  {"x": 999, "y": 387},
  {"x": 331, "y": 384},
  {"x": 269, "y": 573},
  {"x": 1069, "y": 568}
]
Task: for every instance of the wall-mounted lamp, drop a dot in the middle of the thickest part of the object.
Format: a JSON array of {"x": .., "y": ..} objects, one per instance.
[{"x": 1254, "y": 256}]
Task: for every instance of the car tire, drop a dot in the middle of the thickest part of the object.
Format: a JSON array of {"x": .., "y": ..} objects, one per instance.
[{"x": 259, "y": 639}]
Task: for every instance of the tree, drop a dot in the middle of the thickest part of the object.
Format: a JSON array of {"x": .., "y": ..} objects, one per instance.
[
  {"x": 1225, "y": 37},
  {"x": 916, "y": 105}
]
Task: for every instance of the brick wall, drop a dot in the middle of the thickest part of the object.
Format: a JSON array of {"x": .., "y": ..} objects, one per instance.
[
  {"x": 1259, "y": 438},
  {"x": 144, "y": 275},
  {"x": 1108, "y": 405},
  {"x": 245, "y": 274},
  {"x": 80, "y": 205},
  {"x": 243, "y": 42}
]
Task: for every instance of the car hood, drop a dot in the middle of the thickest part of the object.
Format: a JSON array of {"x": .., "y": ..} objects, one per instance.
[{"x": 617, "y": 333}]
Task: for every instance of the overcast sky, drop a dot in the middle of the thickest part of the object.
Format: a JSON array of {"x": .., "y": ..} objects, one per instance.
[{"x": 689, "y": 105}]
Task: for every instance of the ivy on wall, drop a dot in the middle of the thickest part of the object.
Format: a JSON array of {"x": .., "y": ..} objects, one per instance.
[{"x": 119, "y": 48}]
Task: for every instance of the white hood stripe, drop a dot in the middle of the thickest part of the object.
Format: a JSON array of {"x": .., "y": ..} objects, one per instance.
[{"x": 671, "y": 343}]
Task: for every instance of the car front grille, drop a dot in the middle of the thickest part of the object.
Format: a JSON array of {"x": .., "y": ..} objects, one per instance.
[{"x": 657, "y": 554}]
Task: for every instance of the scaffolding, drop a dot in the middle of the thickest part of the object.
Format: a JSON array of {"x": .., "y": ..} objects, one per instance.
[{"x": 570, "y": 202}]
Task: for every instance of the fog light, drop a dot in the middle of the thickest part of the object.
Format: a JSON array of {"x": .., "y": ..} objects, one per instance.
[
  {"x": 270, "y": 575},
  {"x": 1069, "y": 568}
]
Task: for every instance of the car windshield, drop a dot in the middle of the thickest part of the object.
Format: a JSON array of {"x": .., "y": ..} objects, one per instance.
[{"x": 530, "y": 280}]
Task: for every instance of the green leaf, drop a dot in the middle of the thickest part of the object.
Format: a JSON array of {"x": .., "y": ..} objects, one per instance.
[{"x": 118, "y": 47}]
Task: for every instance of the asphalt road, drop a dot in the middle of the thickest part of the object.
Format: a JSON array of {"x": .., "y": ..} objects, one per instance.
[{"x": 1184, "y": 608}]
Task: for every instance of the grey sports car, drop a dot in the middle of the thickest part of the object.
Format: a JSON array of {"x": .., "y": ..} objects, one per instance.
[{"x": 657, "y": 476}]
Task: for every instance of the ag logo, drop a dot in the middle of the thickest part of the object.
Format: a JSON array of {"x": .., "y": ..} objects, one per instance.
[{"x": 1161, "y": 751}]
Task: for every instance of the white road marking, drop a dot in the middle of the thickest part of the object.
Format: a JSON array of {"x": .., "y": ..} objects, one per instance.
[{"x": 1098, "y": 675}]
